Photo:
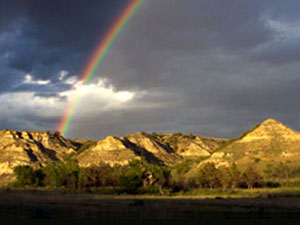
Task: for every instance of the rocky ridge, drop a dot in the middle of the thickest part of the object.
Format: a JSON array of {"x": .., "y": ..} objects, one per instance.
[
  {"x": 148, "y": 147},
  {"x": 36, "y": 149},
  {"x": 111, "y": 150},
  {"x": 268, "y": 142}
]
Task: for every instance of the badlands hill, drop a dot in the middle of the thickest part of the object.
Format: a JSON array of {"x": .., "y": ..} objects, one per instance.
[
  {"x": 153, "y": 148},
  {"x": 269, "y": 142},
  {"x": 38, "y": 149}
]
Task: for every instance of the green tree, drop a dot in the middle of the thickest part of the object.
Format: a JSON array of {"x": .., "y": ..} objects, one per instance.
[
  {"x": 280, "y": 170},
  {"x": 178, "y": 180},
  {"x": 139, "y": 176},
  {"x": 62, "y": 174},
  {"x": 132, "y": 180},
  {"x": 209, "y": 176},
  {"x": 283, "y": 170},
  {"x": 252, "y": 178},
  {"x": 231, "y": 176},
  {"x": 27, "y": 176}
]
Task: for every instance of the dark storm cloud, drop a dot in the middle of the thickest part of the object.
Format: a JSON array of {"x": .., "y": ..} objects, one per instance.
[
  {"x": 10, "y": 12},
  {"x": 212, "y": 67},
  {"x": 285, "y": 51},
  {"x": 45, "y": 37},
  {"x": 172, "y": 32}
]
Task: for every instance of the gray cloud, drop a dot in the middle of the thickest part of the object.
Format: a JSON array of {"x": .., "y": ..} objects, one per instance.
[
  {"x": 45, "y": 37},
  {"x": 211, "y": 67}
]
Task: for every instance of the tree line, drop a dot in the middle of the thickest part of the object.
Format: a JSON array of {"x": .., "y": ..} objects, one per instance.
[{"x": 139, "y": 177}]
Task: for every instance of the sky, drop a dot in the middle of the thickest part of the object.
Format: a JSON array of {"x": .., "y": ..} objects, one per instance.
[{"x": 208, "y": 67}]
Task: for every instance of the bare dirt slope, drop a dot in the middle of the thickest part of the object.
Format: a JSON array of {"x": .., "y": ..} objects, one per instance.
[
  {"x": 268, "y": 142},
  {"x": 36, "y": 149},
  {"x": 155, "y": 149}
]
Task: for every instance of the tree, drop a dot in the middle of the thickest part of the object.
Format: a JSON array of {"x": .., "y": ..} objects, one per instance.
[
  {"x": 280, "y": 170},
  {"x": 62, "y": 174},
  {"x": 179, "y": 181},
  {"x": 57, "y": 133},
  {"x": 283, "y": 171},
  {"x": 26, "y": 175},
  {"x": 132, "y": 179},
  {"x": 270, "y": 171},
  {"x": 209, "y": 176},
  {"x": 72, "y": 172},
  {"x": 231, "y": 176},
  {"x": 252, "y": 178}
]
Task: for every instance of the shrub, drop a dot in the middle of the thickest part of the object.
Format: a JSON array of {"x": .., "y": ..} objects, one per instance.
[
  {"x": 252, "y": 178},
  {"x": 280, "y": 170},
  {"x": 132, "y": 178},
  {"x": 59, "y": 174},
  {"x": 27, "y": 176},
  {"x": 139, "y": 175},
  {"x": 209, "y": 176},
  {"x": 230, "y": 176},
  {"x": 57, "y": 133}
]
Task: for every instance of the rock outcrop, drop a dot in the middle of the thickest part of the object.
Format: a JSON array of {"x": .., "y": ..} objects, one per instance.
[
  {"x": 192, "y": 146},
  {"x": 139, "y": 146},
  {"x": 268, "y": 142},
  {"x": 111, "y": 150},
  {"x": 151, "y": 149},
  {"x": 155, "y": 149},
  {"x": 36, "y": 149}
]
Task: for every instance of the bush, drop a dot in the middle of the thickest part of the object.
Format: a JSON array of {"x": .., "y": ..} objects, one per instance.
[
  {"x": 178, "y": 180},
  {"x": 99, "y": 176},
  {"x": 57, "y": 133},
  {"x": 230, "y": 177},
  {"x": 209, "y": 176},
  {"x": 27, "y": 176},
  {"x": 132, "y": 180},
  {"x": 280, "y": 170},
  {"x": 252, "y": 178},
  {"x": 60, "y": 174},
  {"x": 138, "y": 176}
]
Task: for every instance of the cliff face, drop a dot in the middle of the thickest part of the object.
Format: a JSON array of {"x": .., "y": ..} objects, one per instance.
[
  {"x": 191, "y": 145},
  {"x": 151, "y": 149},
  {"x": 269, "y": 142},
  {"x": 139, "y": 146},
  {"x": 36, "y": 149},
  {"x": 111, "y": 150},
  {"x": 155, "y": 149}
]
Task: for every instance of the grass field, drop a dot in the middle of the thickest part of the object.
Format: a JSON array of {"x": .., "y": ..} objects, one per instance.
[{"x": 237, "y": 204}]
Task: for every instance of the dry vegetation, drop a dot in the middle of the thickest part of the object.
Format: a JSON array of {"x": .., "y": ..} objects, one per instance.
[{"x": 49, "y": 204}]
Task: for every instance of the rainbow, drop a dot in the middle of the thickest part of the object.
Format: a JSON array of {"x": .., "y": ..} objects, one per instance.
[{"x": 96, "y": 61}]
